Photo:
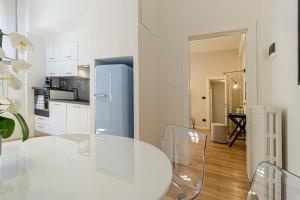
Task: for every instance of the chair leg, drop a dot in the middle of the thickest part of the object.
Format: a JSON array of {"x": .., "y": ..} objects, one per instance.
[{"x": 182, "y": 195}]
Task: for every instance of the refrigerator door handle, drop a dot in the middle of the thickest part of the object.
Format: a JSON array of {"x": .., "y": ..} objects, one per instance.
[{"x": 101, "y": 95}]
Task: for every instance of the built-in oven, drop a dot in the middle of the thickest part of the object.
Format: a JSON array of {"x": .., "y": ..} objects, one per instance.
[{"x": 41, "y": 102}]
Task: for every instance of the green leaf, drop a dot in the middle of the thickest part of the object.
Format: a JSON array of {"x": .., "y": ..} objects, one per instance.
[
  {"x": 23, "y": 125},
  {"x": 7, "y": 127}
]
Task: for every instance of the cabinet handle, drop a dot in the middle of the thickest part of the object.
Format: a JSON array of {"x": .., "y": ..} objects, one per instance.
[
  {"x": 68, "y": 56},
  {"x": 40, "y": 126},
  {"x": 76, "y": 106},
  {"x": 41, "y": 118},
  {"x": 52, "y": 73},
  {"x": 56, "y": 104},
  {"x": 51, "y": 58},
  {"x": 69, "y": 73},
  {"x": 101, "y": 95}
]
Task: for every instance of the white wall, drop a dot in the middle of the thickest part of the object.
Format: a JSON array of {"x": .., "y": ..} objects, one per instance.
[
  {"x": 44, "y": 13},
  {"x": 208, "y": 65},
  {"x": 113, "y": 33},
  {"x": 149, "y": 71},
  {"x": 278, "y": 22},
  {"x": 178, "y": 20},
  {"x": 36, "y": 77}
]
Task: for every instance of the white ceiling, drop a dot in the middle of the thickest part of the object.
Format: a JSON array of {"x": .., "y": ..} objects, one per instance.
[{"x": 220, "y": 43}]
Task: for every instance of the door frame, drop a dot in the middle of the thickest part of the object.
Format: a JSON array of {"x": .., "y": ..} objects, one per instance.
[
  {"x": 252, "y": 88},
  {"x": 208, "y": 106}
]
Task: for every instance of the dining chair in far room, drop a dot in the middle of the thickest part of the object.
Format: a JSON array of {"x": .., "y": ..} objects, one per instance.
[
  {"x": 186, "y": 150},
  {"x": 273, "y": 183}
]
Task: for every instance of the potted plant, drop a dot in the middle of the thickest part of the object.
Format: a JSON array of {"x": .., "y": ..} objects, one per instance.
[{"x": 9, "y": 69}]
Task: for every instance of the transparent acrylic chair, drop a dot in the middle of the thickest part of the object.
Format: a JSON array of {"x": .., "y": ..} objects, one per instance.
[
  {"x": 273, "y": 183},
  {"x": 186, "y": 150}
]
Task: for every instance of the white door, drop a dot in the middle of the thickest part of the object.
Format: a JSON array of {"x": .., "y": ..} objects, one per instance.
[
  {"x": 58, "y": 118},
  {"x": 52, "y": 53},
  {"x": 77, "y": 119},
  {"x": 69, "y": 68},
  {"x": 218, "y": 102},
  {"x": 69, "y": 51},
  {"x": 103, "y": 111},
  {"x": 53, "y": 68}
]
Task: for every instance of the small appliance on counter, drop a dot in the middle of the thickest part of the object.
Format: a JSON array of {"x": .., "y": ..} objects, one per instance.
[{"x": 52, "y": 82}]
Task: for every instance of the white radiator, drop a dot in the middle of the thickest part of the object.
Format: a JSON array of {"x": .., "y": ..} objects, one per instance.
[{"x": 264, "y": 136}]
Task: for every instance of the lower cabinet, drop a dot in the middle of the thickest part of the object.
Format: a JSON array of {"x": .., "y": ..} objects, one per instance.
[
  {"x": 58, "y": 118},
  {"x": 64, "y": 118},
  {"x": 77, "y": 119},
  {"x": 41, "y": 124}
]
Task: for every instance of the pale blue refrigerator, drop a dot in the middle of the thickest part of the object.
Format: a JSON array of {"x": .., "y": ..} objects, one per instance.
[{"x": 114, "y": 100}]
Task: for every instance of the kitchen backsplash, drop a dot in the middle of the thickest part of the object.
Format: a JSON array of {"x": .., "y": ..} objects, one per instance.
[{"x": 82, "y": 84}]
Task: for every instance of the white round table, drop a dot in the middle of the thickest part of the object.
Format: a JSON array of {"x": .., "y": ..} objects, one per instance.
[{"x": 83, "y": 167}]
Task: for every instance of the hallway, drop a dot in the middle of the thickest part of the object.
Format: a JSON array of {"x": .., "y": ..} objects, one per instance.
[{"x": 226, "y": 176}]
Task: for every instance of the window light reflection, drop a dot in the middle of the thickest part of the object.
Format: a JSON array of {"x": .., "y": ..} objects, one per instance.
[
  {"x": 194, "y": 137},
  {"x": 185, "y": 178}
]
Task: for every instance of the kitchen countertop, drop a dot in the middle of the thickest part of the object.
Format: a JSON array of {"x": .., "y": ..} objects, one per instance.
[
  {"x": 82, "y": 102},
  {"x": 48, "y": 88}
]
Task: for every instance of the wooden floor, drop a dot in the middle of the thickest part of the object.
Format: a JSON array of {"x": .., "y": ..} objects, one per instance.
[{"x": 226, "y": 176}]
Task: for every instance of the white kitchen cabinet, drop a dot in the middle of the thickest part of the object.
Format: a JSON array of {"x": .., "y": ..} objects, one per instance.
[
  {"x": 69, "y": 68},
  {"x": 69, "y": 51},
  {"x": 77, "y": 119},
  {"x": 52, "y": 53},
  {"x": 53, "y": 68},
  {"x": 42, "y": 124},
  {"x": 57, "y": 115},
  {"x": 62, "y": 62}
]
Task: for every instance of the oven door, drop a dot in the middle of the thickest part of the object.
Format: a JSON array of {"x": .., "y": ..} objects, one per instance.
[{"x": 41, "y": 103}]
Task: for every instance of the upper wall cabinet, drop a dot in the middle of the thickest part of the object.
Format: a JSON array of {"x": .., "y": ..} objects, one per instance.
[
  {"x": 69, "y": 51},
  {"x": 69, "y": 68},
  {"x": 53, "y": 68},
  {"x": 52, "y": 53},
  {"x": 61, "y": 60}
]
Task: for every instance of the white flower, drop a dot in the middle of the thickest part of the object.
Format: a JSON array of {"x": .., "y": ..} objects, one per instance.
[
  {"x": 5, "y": 101},
  {"x": 20, "y": 65},
  {"x": 2, "y": 68},
  {"x": 2, "y": 53},
  {"x": 20, "y": 42},
  {"x": 6, "y": 105},
  {"x": 14, "y": 82}
]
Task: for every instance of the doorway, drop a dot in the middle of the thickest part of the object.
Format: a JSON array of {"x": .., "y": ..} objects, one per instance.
[
  {"x": 219, "y": 61},
  {"x": 217, "y": 100},
  {"x": 217, "y": 88}
]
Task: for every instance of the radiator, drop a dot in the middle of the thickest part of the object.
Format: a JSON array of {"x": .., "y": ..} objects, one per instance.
[{"x": 264, "y": 136}]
